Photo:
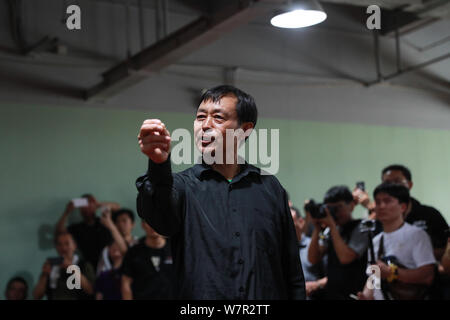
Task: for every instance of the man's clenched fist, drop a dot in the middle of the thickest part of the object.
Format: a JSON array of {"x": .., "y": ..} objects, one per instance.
[{"x": 154, "y": 140}]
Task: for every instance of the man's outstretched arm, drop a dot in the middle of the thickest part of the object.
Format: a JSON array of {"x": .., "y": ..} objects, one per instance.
[{"x": 160, "y": 193}]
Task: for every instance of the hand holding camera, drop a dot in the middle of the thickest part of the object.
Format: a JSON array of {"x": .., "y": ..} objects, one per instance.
[{"x": 322, "y": 214}]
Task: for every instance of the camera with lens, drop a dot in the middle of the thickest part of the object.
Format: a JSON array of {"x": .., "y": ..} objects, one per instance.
[
  {"x": 317, "y": 210},
  {"x": 367, "y": 225}
]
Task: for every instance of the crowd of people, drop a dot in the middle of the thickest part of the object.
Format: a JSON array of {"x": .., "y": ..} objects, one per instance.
[
  {"x": 407, "y": 240},
  {"x": 229, "y": 231},
  {"x": 113, "y": 264}
]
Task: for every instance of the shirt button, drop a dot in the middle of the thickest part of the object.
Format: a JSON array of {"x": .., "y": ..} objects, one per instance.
[
  {"x": 237, "y": 234},
  {"x": 234, "y": 209},
  {"x": 241, "y": 289},
  {"x": 241, "y": 261}
]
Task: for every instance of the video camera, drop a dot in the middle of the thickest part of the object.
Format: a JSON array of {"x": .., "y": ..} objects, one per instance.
[{"x": 317, "y": 210}]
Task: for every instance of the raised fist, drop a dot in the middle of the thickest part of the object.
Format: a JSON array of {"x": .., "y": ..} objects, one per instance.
[{"x": 154, "y": 140}]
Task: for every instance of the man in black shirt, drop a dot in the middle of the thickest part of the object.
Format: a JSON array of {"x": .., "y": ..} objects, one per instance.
[
  {"x": 231, "y": 229},
  {"x": 147, "y": 272},
  {"x": 422, "y": 216},
  {"x": 90, "y": 235}
]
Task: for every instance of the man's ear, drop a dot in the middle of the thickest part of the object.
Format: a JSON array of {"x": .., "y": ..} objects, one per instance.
[
  {"x": 352, "y": 205},
  {"x": 247, "y": 125},
  {"x": 410, "y": 185},
  {"x": 404, "y": 207}
]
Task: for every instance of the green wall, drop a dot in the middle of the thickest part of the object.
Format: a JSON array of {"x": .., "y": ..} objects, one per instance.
[{"x": 52, "y": 154}]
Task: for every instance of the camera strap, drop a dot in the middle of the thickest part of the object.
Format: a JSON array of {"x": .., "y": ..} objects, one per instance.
[{"x": 380, "y": 255}]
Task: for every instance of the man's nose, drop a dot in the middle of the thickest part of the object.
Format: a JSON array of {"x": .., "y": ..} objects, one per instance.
[{"x": 207, "y": 123}]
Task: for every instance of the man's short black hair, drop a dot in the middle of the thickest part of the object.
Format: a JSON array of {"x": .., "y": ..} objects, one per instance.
[
  {"x": 338, "y": 193},
  {"x": 398, "y": 167},
  {"x": 245, "y": 106},
  {"x": 17, "y": 279},
  {"x": 120, "y": 212},
  {"x": 395, "y": 190},
  {"x": 88, "y": 196}
]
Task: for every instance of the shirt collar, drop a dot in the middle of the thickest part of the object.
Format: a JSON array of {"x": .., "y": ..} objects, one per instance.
[{"x": 201, "y": 169}]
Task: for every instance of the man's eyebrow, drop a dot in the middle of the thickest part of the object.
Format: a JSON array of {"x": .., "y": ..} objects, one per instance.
[{"x": 218, "y": 110}]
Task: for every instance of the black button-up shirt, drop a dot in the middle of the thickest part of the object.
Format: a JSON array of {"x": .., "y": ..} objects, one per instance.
[{"x": 229, "y": 240}]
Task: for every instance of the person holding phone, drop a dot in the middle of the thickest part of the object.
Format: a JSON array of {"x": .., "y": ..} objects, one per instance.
[
  {"x": 53, "y": 279},
  {"x": 90, "y": 235}
]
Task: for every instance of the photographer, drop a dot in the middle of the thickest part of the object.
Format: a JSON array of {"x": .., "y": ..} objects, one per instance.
[
  {"x": 425, "y": 217},
  {"x": 53, "y": 279},
  {"x": 403, "y": 252},
  {"x": 346, "y": 246},
  {"x": 89, "y": 234}
]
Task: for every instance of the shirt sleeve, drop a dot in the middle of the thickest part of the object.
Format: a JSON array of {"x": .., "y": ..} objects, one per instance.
[
  {"x": 423, "y": 250},
  {"x": 127, "y": 268},
  {"x": 438, "y": 229},
  {"x": 295, "y": 278},
  {"x": 358, "y": 242},
  {"x": 159, "y": 200}
]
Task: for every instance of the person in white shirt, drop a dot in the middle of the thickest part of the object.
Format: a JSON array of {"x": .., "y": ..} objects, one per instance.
[{"x": 403, "y": 252}]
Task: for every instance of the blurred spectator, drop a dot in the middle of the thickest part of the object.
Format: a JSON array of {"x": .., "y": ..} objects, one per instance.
[
  {"x": 120, "y": 226},
  {"x": 16, "y": 289},
  {"x": 422, "y": 216},
  {"x": 53, "y": 279},
  {"x": 314, "y": 274},
  {"x": 90, "y": 235},
  {"x": 446, "y": 259},
  {"x": 346, "y": 245},
  {"x": 403, "y": 252},
  {"x": 108, "y": 283},
  {"x": 124, "y": 220},
  {"x": 445, "y": 272},
  {"x": 147, "y": 268}
]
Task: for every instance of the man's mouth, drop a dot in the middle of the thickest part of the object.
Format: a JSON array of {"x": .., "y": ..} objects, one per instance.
[{"x": 206, "y": 140}]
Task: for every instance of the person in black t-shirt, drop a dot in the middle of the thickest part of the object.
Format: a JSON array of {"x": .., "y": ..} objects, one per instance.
[
  {"x": 90, "y": 235},
  {"x": 346, "y": 246},
  {"x": 147, "y": 268},
  {"x": 422, "y": 216},
  {"x": 56, "y": 275}
]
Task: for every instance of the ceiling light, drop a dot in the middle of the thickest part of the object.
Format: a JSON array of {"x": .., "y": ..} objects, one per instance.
[{"x": 299, "y": 14}]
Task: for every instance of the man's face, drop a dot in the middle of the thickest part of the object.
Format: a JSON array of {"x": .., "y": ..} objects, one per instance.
[
  {"x": 343, "y": 211},
  {"x": 388, "y": 208},
  {"x": 114, "y": 252},
  {"x": 124, "y": 224},
  {"x": 397, "y": 177},
  {"x": 212, "y": 121},
  {"x": 65, "y": 246},
  {"x": 16, "y": 291}
]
